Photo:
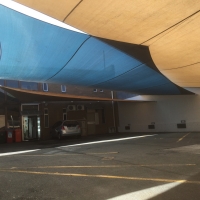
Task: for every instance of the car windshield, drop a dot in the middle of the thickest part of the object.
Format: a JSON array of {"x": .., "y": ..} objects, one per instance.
[
  {"x": 71, "y": 123},
  {"x": 57, "y": 124}
]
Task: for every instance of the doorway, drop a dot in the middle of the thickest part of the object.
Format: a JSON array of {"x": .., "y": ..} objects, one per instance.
[{"x": 31, "y": 127}]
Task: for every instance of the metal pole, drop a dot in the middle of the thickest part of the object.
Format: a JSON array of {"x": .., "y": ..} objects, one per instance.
[{"x": 113, "y": 108}]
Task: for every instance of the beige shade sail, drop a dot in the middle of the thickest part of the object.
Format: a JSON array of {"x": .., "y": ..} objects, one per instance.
[
  {"x": 132, "y": 21},
  {"x": 170, "y": 28},
  {"x": 56, "y": 9},
  {"x": 185, "y": 76},
  {"x": 176, "y": 53}
]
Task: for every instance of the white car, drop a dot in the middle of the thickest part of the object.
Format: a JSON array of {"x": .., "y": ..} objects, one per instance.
[{"x": 66, "y": 128}]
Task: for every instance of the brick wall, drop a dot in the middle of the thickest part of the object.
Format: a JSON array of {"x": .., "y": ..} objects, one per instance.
[{"x": 55, "y": 110}]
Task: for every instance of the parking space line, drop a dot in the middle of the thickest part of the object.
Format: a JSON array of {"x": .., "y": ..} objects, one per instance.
[
  {"x": 67, "y": 154},
  {"x": 105, "y": 141},
  {"x": 105, "y": 176},
  {"x": 183, "y": 137},
  {"x": 47, "y": 155},
  {"x": 103, "y": 153},
  {"x": 18, "y": 152},
  {"x": 103, "y": 166}
]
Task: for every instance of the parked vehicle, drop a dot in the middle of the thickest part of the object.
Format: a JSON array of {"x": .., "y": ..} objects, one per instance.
[{"x": 65, "y": 128}]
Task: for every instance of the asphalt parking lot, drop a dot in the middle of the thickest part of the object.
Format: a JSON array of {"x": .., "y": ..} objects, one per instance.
[{"x": 130, "y": 166}]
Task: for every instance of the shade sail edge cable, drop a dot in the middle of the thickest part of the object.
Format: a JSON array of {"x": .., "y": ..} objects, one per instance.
[{"x": 69, "y": 59}]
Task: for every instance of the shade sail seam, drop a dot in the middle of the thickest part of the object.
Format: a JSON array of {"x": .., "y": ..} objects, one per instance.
[
  {"x": 69, "y": 59},
  {"x": 121, "y": 74},
  {"x": 72, "y": 10},
  {"x": 181, "y": 67},
  {"x": 171, "y": 27}
]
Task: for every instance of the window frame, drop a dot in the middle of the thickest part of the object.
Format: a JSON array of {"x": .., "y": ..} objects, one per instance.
[
  {"x": 47, "y": 87},
  {"x": 65, "y": 88}
]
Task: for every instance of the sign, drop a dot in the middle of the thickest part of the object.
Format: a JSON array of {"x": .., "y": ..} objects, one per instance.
[{"x": 9, "y": 134}]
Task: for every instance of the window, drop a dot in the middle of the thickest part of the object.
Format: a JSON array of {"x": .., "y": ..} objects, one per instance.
[
  {"x": 45, "y": 87},
  {"x": 95, "y": 90},
  {"x": 12, "y": 84},
  {"x": 1, "y": 82},
  {"x": 63, "y": 88},
  {"x": 71, "y": 123},
  {"x": 29, "y": 85},
  {"x": 46, "y": 118},
  {"x": 64, "y": 114},
  {"x": 101, "y": 90}
]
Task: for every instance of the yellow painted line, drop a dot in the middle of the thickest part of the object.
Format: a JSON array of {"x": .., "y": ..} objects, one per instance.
[
  {"x": 104, "y": 176},
  {"x": 183, "y": 137},
  {"x": 52, "y": 155},
  {"x": 108, "y": 158},
  {"x": 99, "y": 166},
  {"x": 167, "y": 165},
  {"x": 103, "y": 153},
  {"x": 88, "y": 166}
]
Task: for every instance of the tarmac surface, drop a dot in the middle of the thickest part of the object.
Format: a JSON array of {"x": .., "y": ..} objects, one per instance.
[{"x": 116, "y": 166}]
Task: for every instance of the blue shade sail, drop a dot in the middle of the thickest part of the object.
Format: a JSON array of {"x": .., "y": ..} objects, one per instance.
[
  {"x": 0, "y": 51},
  {"x": 95, "y": 62},
  {"x": 32, "y": 50},
  {"x": 142, "y": 80}
]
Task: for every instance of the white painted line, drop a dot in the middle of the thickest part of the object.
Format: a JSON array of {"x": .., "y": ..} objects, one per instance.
[
  {"x": 18, "y": 152},
  {"x": 147, "y": 193},
  {"x": 104, "y": 141}
]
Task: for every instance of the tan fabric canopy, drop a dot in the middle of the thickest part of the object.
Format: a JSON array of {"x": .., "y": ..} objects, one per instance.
[{"x": 170, "y": 28}]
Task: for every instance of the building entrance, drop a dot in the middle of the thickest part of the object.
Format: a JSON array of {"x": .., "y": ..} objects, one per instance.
[
  {"x": 31, "y": 128},
  {"x": 30, "y": 122}
]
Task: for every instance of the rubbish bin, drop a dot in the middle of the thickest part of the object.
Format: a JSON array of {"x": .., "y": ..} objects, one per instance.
[
  {"x": 10, "y": 136},
  {"x": 18, "y": 135},
  {"x": 2, "y": 137}
]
